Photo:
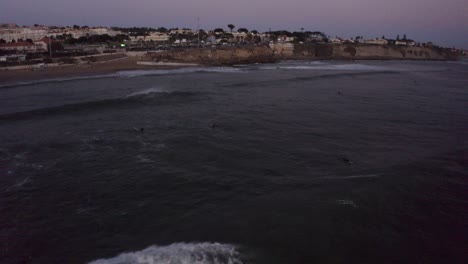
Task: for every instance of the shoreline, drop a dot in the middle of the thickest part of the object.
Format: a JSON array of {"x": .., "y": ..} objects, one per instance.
[
  {"x": 9, "y": 78},
  {"x": 13, "y": 77}
]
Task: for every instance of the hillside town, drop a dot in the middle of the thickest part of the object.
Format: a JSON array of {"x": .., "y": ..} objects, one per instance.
[{"x": 38, "y": 43}]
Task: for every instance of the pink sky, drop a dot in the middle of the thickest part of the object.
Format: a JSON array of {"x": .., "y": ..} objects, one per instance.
[{"x": 444, "y": 22}]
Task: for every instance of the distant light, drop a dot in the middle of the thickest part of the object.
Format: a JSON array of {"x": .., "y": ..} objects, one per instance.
[{"x": 123, "y": 45}]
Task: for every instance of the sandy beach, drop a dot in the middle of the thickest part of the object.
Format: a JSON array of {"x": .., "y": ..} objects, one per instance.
[{"x": 66, "y": 71}]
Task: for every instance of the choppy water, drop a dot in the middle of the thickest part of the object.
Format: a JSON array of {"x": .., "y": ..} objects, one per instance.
[{"x": 295, "y": 162}]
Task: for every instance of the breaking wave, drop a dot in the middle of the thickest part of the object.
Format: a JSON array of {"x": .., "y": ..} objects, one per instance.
[
  {"x": 323, "y": 66},
  {"x": 179, "y": 253},
  {"x": 57, "y": 80},
  {"x": 460, "y": 62},
  {"x": 151, "y": 95},
  {"x": 129, "y": 74},
  {"x": 299, "y": 62},
  {"x": 136, "y": 73},
  {"x": 152, "y": 90}
]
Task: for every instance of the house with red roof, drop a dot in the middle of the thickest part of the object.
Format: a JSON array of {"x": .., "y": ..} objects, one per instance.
[
  {"x": 19, "y": 46},
  {"x": 42, "y": 44}
]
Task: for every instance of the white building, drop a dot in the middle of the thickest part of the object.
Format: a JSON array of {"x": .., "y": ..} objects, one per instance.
[
  {"x": 42, "y": 44},
  {"x": 175, "y": 31},
  {"x": 158, "y": 37},
  {"x": 405, "y": 43},
  {"x": 178, "y": 41},
  {"x": 377, "y": 41},
  {"x": 154, "y": 36},
  {"x": 36, "y": 33},
  {"x": 336, "y": 41},
  {"x": 284, "y": 38},
  {"x": 21, "y": 33}
]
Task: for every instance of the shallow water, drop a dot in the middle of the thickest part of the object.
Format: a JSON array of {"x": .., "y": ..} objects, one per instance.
[{"x": 295, "y": 162}]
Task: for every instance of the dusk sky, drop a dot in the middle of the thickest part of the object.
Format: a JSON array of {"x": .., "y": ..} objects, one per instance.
[{"x": 443, "y": 22}]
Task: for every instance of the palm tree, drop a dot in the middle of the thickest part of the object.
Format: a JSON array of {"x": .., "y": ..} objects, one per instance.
[{"x": 231, "y": 27}]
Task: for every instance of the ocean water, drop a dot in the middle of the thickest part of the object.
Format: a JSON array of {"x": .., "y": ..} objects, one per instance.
[{"x": 294, "y": 162}]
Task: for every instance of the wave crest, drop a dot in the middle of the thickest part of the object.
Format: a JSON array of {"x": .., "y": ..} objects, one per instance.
[
  {"x": 136, "y": 73},
  {"x": 135, "y": 98},
  {"x": 325, "y": 67},
  {"x": 179, "y": 253},
  {"x": 147, "y": 92}
]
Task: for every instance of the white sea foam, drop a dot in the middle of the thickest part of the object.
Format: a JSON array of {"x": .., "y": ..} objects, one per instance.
[
  {"x": 350, "y": 177},
  {"x": 129, "y": 74},
  {"x": 136, "y": 73},
  {"x": 460, "y": 62},
  {"x": 148, "y": 91},
  {"x": 347, "y": 202},
  {"x": 326, "y": 67},
  {"x": 52, "y": 80},
  {"x": 220, "y": 69},
  {"x": 291, "y": 62},
  {"x": 19, "y": 184},
  {"x": 144, "y": 159},
  {"x": 179, "y": 253}
]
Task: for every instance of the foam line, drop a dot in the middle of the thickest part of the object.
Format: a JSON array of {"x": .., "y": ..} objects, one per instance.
[
  {"x": 180, "y": 253},
  {"x": 350, "y": 177}
]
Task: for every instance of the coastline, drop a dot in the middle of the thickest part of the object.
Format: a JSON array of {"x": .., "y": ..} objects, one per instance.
[{"x": 216, "y": 57}]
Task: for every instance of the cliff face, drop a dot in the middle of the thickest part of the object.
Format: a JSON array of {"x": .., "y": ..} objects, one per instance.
[
  {"x": 266, "y": 54},
  {"x": 326, "y": 51},
  {"x": 218, "y": 56}
]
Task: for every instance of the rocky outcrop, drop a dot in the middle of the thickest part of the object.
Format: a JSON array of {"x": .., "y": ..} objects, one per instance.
[
  {"x": 266, "y": 54},
  {"x": 218, "y": 56},
  {"x": 370, "y": 52}
]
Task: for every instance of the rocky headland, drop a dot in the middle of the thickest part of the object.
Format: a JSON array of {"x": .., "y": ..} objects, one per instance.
[{"x": 288, "y": 51}]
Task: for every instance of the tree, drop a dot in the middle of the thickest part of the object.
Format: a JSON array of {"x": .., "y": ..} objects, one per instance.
[
  {"x": 404, "y": 37},
  {"x": 2, "y": 41},
  {"x": 203, "y": 34},
  {"x": 383, "y": 37},
  {"x": 231, "y": 27},
  {"x": 257, "y": 39},
  {"x": 218, "y": 30},
  {"x": 243, "y": 30},
  {"x": 56, "y": 46},
  {"x": 76, "y": 27},
  {"x": 121, "y": 38},
  {"x": 299, "y": 36},
  {"x": 398, "y": 37},
  {"x": 249, "y": 38},
  {"x": 29, "y": 40},
  {"x": 82, "y": 39}
]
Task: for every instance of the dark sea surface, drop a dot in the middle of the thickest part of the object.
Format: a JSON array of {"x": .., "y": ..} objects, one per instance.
[{"x": 295, "y": 162}]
